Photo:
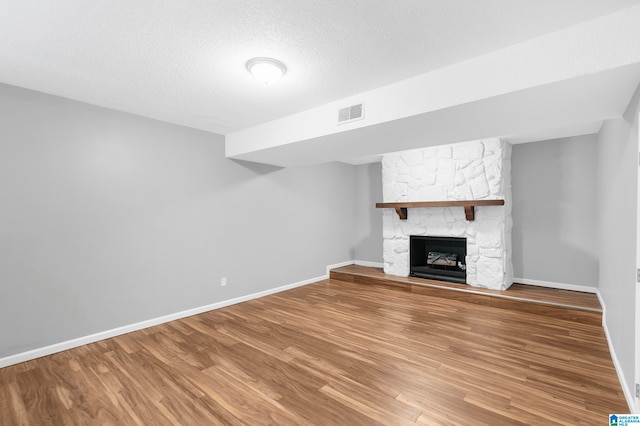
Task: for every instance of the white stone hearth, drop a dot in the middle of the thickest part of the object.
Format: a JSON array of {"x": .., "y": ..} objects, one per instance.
[{"x": 478, "y": 170}]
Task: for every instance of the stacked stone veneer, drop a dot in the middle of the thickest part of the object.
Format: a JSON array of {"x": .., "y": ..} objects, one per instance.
[{"x": 478, "y": 170}]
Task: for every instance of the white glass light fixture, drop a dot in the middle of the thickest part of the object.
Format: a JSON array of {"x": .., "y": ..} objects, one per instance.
[{"x": 266, "y": 70}]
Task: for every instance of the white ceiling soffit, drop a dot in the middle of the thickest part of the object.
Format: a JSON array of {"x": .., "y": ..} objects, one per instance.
[
  {"x": 570, "y": 79},
  {"x": 570, "y": 104},
  {"x": 537, "y": 135},
  {"x": 556, "y": 133}
]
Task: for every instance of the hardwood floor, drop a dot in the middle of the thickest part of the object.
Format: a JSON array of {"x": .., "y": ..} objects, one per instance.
[{"x": 330, "y": 353}]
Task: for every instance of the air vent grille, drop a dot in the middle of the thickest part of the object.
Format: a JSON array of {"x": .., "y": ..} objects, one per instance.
[{"x": 351, "y": 113}]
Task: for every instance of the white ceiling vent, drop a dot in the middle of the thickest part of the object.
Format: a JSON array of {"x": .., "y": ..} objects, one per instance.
[{"x": 351, "y": 113}]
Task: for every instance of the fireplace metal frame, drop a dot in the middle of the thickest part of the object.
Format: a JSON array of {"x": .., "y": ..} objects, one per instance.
[{"x": 421, "y": 245}]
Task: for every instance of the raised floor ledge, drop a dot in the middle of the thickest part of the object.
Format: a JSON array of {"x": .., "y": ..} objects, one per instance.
[{"x": 562, "y": 304}]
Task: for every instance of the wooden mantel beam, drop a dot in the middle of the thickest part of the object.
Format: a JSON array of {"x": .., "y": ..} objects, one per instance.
[{"x": 468, "y": 205}]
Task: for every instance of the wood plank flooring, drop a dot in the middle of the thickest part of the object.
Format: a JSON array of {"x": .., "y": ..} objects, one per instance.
[{"x": 330, "y": 353}]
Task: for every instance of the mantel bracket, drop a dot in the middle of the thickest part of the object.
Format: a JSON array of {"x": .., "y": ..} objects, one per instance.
[
  {"x": 402, "y": 212},
  {"x": 469, "y": 212}
]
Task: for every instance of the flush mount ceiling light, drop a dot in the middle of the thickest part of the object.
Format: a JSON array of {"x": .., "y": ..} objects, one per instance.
[{"x": 266, "y": 70}]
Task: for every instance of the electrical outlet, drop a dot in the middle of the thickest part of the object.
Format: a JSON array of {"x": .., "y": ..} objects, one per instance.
[
  {"x": 223, "y": 281},
  {"x": 637, "y": 390},
  {"x": 638, "y": 275}
]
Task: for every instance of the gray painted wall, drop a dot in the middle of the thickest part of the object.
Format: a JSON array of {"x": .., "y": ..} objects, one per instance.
[
  {"x": 617, "y": 223},
  {"x": 555, "y": 211},
  {"x": 108, "y": 219},
  {"x": 368, "y": 246}
]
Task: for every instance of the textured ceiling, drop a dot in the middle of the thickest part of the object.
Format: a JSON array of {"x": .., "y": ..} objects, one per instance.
[{"x": 183, "y": 61}]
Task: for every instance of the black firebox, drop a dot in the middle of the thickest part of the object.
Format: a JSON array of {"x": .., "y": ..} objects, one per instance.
[{"x": 438, "y": 258}]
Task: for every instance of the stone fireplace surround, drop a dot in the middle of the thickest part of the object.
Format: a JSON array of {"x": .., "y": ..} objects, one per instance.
[{"x": 477, "y": 170}]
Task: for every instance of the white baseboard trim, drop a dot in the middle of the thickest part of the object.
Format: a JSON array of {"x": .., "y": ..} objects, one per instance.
[
  {"x": 92, "y": 338},
  {"x": 628, "y": 394},
  {"x": 369, "y": 264},
  {"x": 337, "y": 265},
  {"x": 561, "y": 286}
]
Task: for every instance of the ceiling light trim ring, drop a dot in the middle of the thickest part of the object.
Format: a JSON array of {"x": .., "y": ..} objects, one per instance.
[{"x": 270, "y": 62}]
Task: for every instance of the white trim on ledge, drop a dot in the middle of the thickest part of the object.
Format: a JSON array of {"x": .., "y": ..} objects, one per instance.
[
  {"x": 337, "y": 265},
  {"x": 561, "y": 286},
  {"x": 74, "y": 343},
  {"x": 369, "y": 264},
  {"x": 628, "y": 394}
]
